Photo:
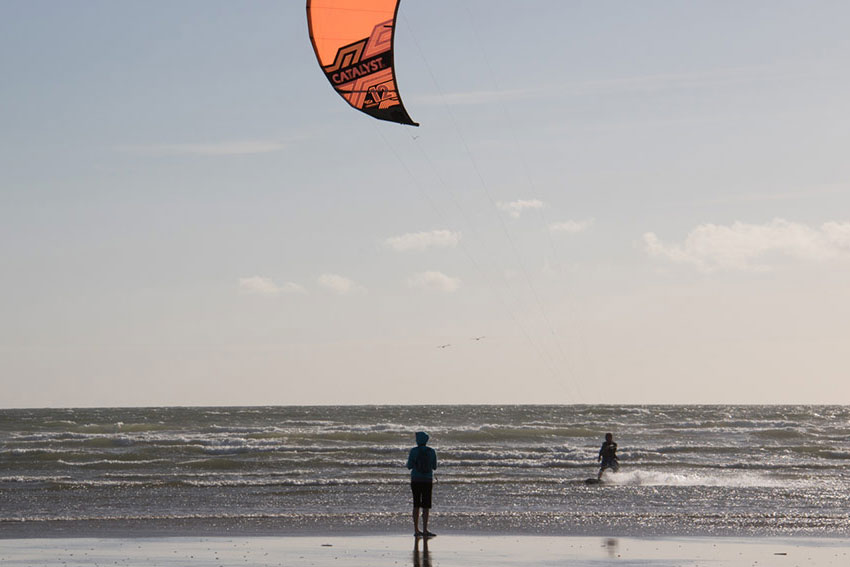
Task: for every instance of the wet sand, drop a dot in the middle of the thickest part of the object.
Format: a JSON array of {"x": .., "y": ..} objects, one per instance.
[{"x": 445, "y": 550}]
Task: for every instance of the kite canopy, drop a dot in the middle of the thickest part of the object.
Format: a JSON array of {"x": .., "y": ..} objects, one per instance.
[{"x": 353, "y": 41}]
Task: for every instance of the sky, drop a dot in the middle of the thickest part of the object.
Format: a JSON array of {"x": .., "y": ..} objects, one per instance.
[{"x": 606, "y": 202}]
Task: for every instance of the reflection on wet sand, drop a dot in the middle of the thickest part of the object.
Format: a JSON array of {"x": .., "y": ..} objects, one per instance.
[{"x": 421, "y": 558}]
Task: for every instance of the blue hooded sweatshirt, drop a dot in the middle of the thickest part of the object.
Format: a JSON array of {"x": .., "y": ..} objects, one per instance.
[{"x": 421, "y": 440}]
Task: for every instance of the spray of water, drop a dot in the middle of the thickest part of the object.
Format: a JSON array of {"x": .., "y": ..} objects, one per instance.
[{"x": 656, "y": 478}]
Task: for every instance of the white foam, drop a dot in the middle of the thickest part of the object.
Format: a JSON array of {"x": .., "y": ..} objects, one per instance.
[{"x": 658, "y": 478}]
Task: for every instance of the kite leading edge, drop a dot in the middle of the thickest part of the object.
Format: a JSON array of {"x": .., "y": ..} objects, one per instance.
[{"x": 353, "y": 41}]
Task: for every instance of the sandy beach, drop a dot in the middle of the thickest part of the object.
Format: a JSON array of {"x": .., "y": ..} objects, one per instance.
[{"x": 446, "y": 550}]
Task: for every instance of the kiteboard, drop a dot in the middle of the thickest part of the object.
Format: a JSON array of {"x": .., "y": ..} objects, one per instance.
[{"x": 593, "y": 481}]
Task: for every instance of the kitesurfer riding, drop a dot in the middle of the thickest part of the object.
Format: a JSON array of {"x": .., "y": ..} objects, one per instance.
[{"x": 608, "y": 456}]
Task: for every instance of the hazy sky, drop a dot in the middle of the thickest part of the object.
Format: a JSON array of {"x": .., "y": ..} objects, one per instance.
[{"x": 630, "y": 202}]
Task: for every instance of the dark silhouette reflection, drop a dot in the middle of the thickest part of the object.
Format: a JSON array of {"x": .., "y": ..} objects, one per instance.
[
  {"x": 611, "y": 544},
  {"x": 421, "y": 558}
]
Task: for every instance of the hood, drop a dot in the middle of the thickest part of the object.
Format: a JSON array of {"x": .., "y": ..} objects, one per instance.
[{"x": 421, "y": 437}]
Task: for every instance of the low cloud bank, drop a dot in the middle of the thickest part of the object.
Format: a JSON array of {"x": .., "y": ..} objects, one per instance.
[{"x": 743, "y": 246}]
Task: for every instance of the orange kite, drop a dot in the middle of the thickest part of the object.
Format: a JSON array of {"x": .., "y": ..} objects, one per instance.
[{"x": 353, "y": 41}]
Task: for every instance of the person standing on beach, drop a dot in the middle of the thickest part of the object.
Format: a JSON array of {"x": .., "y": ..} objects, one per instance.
[
  {"x": 608, "y": 456},
  {"x": 421, "y": 461}
]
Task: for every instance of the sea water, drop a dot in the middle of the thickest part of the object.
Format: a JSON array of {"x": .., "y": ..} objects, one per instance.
[{"x": 685, "y": 470}]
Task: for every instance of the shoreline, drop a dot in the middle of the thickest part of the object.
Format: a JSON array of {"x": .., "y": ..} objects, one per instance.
[
  {"x": 390, "y": 550},
  {"x": 528, "y": 524}
]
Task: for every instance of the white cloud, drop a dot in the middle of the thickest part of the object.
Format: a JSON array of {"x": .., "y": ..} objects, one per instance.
[
  {"x": 434, "y": 281},
  {"x": 479, "y": 97},
  {"x": 701, "y": 79},
  {"x": 340, "y": 284},
  {"x": 571, "y": 226},
  {"x": 291, "y": 287},
  {"x": 423, "y": 240},
  {"x": 515, "y": 208},
  {"x": 258, "y": 285},
  {"x": 232, "y": 148},
  {"x": 742, "y": 246},
  {"x": 651, "y": 83}
]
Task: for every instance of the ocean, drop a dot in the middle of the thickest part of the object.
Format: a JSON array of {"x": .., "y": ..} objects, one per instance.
[{"x": 685, "y": 470}]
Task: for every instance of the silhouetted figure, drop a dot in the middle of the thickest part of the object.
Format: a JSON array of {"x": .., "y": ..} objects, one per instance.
[
  {"x": 421, "y": 461},
  {"x": 608, "y": 456}
]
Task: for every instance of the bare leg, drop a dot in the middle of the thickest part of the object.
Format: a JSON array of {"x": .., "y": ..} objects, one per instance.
[
  {"x": 425, "y": 512},
  {"x": 416, "y": 519}
]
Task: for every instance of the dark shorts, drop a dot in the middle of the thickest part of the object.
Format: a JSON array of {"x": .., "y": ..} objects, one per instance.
[
  {"x": 610, "y": 464},
  {"x": 421, "y": 493}
]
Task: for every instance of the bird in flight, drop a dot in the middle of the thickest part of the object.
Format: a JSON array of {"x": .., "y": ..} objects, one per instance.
[
  {"x": 478, "y": 338},
  {"x": 444, "y": 346}
]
